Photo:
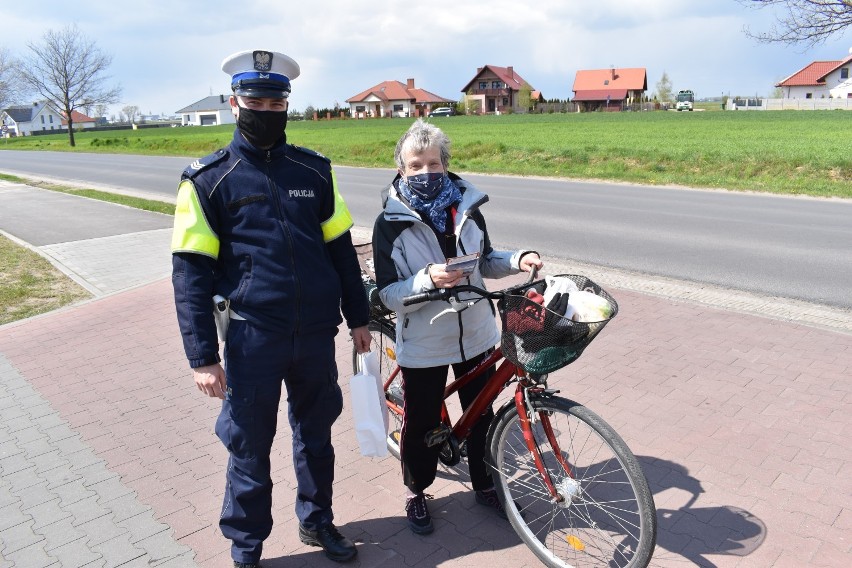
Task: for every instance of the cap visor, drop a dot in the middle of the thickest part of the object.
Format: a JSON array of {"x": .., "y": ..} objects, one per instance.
[{"x": 261, "y": 92}]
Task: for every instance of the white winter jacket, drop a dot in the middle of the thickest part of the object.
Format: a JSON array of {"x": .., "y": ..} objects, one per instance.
[{"x": 403, "y": 247}]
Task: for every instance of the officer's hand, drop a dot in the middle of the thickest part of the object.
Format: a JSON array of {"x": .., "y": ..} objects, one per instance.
[
  {"x": 210, "y": 380},
  {"x": 361, "y": 339}
]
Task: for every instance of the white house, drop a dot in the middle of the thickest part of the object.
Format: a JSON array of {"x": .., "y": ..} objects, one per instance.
[
  {"x": 24, "y": 120},
  {"x": 820, "y": 80},
  {"x": 209, "y": 111},
  {"x": 393, "y": 98}
]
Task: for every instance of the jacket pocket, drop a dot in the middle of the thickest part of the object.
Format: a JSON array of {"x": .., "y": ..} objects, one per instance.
[{"x": 245, "y": 279}]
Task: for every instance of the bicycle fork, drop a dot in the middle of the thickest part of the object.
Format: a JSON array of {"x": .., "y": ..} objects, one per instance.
[{"x": 526, "y": 415}]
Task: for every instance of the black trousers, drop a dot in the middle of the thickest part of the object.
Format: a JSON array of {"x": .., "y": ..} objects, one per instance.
[{"x": 424, "y": 392}]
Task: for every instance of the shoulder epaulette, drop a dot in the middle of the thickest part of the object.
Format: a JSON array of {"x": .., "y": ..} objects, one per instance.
[
  {"x": 201, "y": 164},
  {"x": 310, "y": 152}
]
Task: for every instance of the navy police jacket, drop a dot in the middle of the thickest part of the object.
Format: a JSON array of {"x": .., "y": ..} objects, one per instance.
[{"x": 268, "y": 230}]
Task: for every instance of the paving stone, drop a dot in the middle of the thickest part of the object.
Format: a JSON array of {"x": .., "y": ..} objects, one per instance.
[
  {"x": 32, "y": 557},
  {"x": 19, "y": 536},
  {"x": 117, "y": 551},
  {"x": 77, "y": 553},
  {"x": 60, "y": 533}
]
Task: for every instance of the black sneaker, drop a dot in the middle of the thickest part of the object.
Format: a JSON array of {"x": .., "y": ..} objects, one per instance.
[
  {"x": 337, "y": 547},
  {"x": 419, "y": 519},
  {"x": 488, "y": 498},
  {"x": 246, "y": 564}
]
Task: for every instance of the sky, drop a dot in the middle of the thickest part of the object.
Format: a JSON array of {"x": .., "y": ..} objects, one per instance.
[{"x": 167, "y": 54}]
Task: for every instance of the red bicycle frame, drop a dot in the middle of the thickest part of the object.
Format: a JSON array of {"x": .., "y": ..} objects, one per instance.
[{"x": 495, "y": 385}]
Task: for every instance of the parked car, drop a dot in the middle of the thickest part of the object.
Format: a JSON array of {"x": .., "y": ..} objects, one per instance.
[{"x": 442, "y": 111}]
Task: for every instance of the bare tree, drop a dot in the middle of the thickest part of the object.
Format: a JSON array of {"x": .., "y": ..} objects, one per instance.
[
  {"x": 9, "y": 90},
  {"x": 101, "y": 110},
  {"x": 130, "y": 111},
  {"x": 68, "y": 70},
  {"x": 803, "y": 21}
]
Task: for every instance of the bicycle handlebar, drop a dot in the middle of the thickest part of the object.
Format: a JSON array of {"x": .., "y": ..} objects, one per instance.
[{"x": 445, "y": 293}]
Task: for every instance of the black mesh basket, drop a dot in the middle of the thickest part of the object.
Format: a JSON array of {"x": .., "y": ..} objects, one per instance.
[{"x": 540, "y": 340}]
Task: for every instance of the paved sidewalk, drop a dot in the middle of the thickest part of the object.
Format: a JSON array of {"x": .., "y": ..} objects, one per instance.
[{"x": 108, "y": 456}]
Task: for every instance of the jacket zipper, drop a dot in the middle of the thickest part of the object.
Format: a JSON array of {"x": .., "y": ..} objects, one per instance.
[{"x": 274, "y": 189}]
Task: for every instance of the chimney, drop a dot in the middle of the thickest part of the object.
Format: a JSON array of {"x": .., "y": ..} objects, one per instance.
[
  {"x": 510, "y": 71},
  {"x": 409, "y": 84},
  {"x": 612, "y": 71},
  {"x": 221, "y": 98},
  {"x": 478, "y": 70}
]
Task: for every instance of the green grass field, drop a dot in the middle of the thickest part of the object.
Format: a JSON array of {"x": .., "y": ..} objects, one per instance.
[{"x": 786, "y": 152}]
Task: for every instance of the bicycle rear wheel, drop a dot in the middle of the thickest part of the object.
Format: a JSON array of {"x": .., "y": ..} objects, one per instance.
[
  {"x": 606, "y": 516},
  {"x": 383, "y": 342}
]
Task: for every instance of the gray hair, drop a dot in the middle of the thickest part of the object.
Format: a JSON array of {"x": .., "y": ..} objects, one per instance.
[{"x": 420, "y": 136}]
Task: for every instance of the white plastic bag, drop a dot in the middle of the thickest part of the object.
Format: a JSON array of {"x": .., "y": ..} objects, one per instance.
[{"x": 369, "y": 411}]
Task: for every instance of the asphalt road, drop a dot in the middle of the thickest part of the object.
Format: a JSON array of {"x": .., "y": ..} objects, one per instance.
[{"x": 797, "y": 248}]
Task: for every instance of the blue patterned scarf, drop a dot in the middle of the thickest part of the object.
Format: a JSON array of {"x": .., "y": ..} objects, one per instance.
[{"x": 434, "y": 209}]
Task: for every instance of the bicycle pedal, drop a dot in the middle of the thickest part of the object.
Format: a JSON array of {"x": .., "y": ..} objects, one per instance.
[{"x": 437, "y": 436}]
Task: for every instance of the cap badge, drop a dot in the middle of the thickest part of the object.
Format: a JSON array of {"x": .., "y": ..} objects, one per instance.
[{"x": 262, "y": 61}]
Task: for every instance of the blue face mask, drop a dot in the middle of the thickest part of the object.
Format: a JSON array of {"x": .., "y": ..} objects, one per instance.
[{"x": 426, "y": 186}]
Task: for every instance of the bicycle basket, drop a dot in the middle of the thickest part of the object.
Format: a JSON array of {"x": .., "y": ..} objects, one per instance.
[{"x": 540, "y": 340}]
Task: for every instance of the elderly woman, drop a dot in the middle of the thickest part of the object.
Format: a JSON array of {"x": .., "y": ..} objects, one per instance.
[{"x": 431, "y": 215}]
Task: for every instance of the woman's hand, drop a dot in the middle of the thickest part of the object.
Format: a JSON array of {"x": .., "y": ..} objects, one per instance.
[
  {"x": 443, "y": 278},
  {"x": 530, "y": 260}
]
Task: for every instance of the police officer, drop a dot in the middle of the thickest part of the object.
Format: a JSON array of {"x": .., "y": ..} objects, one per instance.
[{"x": 260, "y": 225}]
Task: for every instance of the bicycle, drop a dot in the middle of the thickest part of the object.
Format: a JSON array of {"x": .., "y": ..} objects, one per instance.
[{"x": 571, "y": 488}]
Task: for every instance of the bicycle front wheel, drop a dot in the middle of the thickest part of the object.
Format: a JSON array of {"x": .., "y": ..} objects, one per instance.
[
  {"x": 604, "y": 514},
  {"x": 383, "y": 342}
]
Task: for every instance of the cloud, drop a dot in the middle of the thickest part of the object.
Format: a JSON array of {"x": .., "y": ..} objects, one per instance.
[{"x": 167, "y": 54}]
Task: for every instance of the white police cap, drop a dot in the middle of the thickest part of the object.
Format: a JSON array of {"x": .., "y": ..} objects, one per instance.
[{"x": 260, "y": 73}]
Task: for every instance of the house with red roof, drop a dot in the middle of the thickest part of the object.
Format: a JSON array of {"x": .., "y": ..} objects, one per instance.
[
  {"x": 497, "y": 89},
  {"x": 820, "y": 80},
  {"x": 394, "y": 99},
  {"x": 79, "y": 120},
  {"x": 609, "y": 89}
]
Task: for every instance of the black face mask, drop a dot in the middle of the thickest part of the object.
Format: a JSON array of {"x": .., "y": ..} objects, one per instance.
[{"x": 263, "y": 128}]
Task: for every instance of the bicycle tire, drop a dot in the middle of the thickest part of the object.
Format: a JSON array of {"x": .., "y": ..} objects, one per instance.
[
  {"x": 608, "y": 517},
  {"x": 383, "y": 342}
]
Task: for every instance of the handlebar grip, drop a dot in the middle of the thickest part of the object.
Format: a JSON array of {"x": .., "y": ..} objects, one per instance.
[
  {"x": 533, "y": 274},
  {"x": 427, "y": 296}
]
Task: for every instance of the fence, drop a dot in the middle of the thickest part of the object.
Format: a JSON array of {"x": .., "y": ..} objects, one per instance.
[{"x": 790, "y": 104}]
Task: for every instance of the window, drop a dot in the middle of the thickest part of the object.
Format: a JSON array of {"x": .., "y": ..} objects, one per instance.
[
  {"x": 42, "y": 120},
  {"x": 496, "y": 85},
  {"x": 483, "y": 84},
  {"x": 397, "y": 108},
  {"x": 51, "y": 119},
  {"x": 361, "y": 108},
  {"x": 505, "y": 101},
  {"x": 844, "y": 73}
]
